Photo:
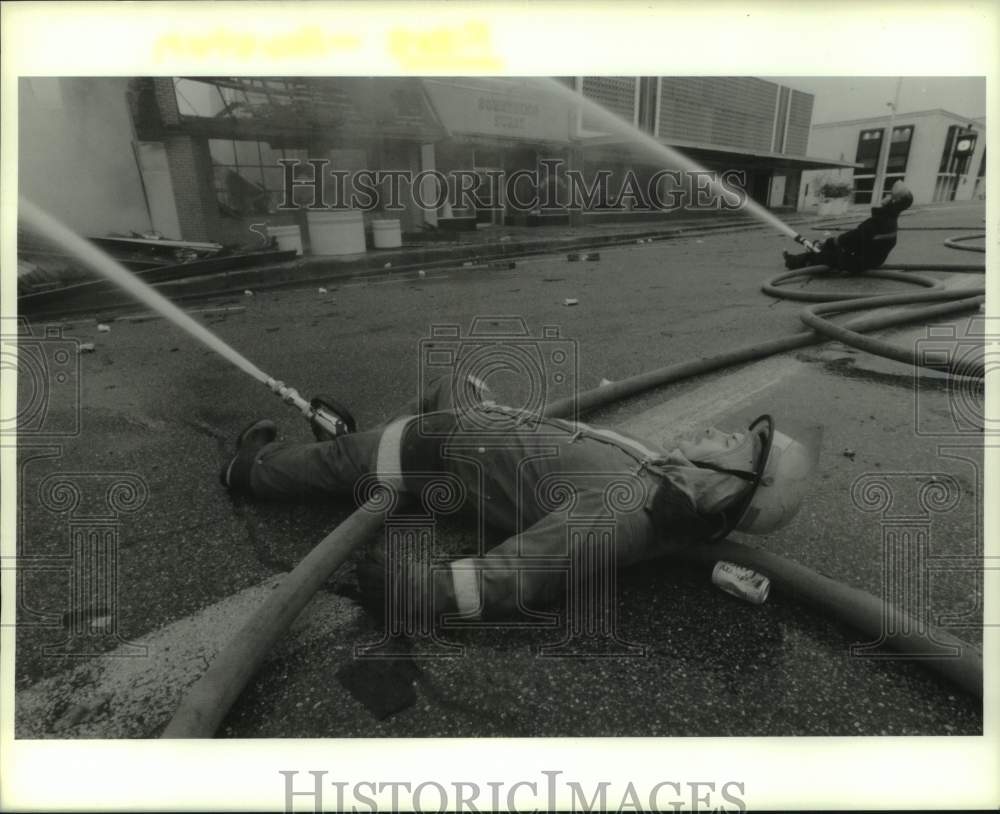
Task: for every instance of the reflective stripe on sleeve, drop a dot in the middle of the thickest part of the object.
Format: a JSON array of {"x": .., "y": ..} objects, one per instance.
[
  {"x": 465, "y": 582},
  {"x": 389, "y": 463}
]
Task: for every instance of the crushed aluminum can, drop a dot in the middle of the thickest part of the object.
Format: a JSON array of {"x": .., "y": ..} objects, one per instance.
[
  {"x": 570, "y": 301},
  {"x": 741, "y": 582}
]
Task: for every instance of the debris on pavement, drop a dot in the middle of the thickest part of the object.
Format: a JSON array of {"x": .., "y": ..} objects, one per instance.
[
  {"x": 421, "y": 273},
  {"x": 148, "y": 317},
  {"x": 592, "y": 256},
  {"x": 502, "y": 264},
  {"x": 104, "y": 329},
  {"x": 849, "y": 453},
  {"x": 83, "y": 711},
  {"x": 321, "y": 290},
  {"x": 604, "y": 382},
  {"x": 86, "y": 347},
  {"x": 570, "y": 301},
  {"x": 247, "y": 292},
  {"x": 387, "y": 266}
]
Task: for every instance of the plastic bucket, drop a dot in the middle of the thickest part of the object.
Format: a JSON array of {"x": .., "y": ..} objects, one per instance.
[
  {"x": 341, "y": 232},
  {"x": 386, "y": 234},
  {"x": 288, "y": 237}
]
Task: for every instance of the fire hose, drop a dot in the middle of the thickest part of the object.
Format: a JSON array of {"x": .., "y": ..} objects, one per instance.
[
  {"x": 207, "y": 703},
  {"x": 210, "y": 698}
]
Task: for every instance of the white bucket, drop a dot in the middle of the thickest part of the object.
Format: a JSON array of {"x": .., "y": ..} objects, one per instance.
[
  {"x": 337, "y": 232},
  {"x": 288, "y": 237},
  {"x": 387, "y": 234}
]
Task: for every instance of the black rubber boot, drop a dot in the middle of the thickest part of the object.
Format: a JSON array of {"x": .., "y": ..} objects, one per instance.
[{"x": 235, "y": 475}]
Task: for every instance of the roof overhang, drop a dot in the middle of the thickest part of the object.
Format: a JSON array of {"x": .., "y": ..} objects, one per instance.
[{"x": 715, "y": 153}]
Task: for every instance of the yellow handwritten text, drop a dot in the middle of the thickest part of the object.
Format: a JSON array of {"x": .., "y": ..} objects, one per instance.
[
  {"x": 445, "y": 49},
  {"x": 310, "y": 42}
]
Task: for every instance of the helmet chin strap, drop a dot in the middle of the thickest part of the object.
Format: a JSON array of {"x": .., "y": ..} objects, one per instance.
[
  {"x": 734, "y": 513},
  {"x": 737, "y": 473}
]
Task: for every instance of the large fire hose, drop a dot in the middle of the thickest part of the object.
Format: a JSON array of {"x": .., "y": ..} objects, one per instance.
[{"x": 210, "y": 698}]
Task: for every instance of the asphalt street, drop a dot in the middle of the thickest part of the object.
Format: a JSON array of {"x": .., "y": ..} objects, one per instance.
[{"x": 159, "y": 412}]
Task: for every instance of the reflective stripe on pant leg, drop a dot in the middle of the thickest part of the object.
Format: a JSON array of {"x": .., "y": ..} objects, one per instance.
[
  {"x": 465, "y": 583},
  {"x": 388, "y": 462}
]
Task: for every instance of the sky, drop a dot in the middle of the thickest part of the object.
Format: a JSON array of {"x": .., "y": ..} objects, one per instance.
[{"x": 846, "y": 97}]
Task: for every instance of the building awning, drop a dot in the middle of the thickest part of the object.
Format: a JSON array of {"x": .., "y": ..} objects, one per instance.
[
  {"x": 716, "y": 153},
  {"x": 506, "y": 110},
  {"x": 292, "y": 110}
]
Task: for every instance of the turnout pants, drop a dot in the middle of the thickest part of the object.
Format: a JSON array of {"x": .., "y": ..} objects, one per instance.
[{"x": 554, "y": 488}]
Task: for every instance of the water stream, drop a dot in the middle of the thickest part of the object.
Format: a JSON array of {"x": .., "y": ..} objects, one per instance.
[
  {"x": 661, "y": 153},
  {"x": 93, "y": 258},
  {"x": 99, "y": 262}
]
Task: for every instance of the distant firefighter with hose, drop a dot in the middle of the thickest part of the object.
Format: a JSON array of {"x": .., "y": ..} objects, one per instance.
[
  {"x": 866, "y": 246},
  {"x": 525, "y": 476}
]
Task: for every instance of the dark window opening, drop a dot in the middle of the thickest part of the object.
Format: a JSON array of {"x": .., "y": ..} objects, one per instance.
[
  {"x": 899, "y": 149},
  {"x": 247, "y": 177},
  {"x": 948, "y": 143},
  {"x": 863, "y": 188},
  {"x": 869, "y": 147}
]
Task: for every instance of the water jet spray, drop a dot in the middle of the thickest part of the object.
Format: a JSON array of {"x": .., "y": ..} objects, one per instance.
[{"x": 327, "y": 418}]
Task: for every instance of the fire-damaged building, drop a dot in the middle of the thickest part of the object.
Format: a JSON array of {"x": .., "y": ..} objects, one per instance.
[{"x": 221, "y": 158}]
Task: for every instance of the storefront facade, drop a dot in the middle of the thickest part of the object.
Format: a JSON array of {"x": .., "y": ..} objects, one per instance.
[
  {"x": 200, "y": 158},
  {"x": 939, "y": 155}
]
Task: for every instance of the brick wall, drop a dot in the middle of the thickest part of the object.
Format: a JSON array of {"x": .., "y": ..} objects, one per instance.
[
  {"x": 191, "y": 177},
  {"x": 728, "y": 111},
  {"x": 166, "y": 100}
]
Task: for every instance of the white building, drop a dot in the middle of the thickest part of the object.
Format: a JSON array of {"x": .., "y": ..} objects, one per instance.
[{"x": 941, "y": 157}]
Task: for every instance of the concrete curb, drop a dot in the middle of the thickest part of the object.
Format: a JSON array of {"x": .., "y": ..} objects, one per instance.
[{"x": 318, "y": 270}]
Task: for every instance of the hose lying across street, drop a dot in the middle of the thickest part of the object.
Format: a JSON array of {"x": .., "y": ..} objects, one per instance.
[{"x": 210, "y": 698}]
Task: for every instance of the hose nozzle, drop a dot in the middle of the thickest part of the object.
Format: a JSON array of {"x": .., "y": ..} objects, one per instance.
[
  {"x": 809, "y": 244},
  {"x": 327, "y": 418},
  {"x": 289, "y": 395}
]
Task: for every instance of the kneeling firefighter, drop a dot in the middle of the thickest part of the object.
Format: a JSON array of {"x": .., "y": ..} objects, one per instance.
[{"x": 867, "y": 245}]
